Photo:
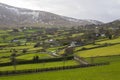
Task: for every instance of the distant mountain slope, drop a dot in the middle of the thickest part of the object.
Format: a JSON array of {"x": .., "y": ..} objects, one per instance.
[
  {"x": 113, "y": 24},
  {"x": 13, "y": 16}
]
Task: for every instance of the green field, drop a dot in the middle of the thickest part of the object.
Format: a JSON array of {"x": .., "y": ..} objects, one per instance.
[
  {"x": 40, "y": 65},
  {"x": 115, "y": 58},
  {"x": 30, "y": 56},
  {"x": 102, "y": 50},
  {"x": 108, "y": 72},
  {"x": 109, "y": 41}
]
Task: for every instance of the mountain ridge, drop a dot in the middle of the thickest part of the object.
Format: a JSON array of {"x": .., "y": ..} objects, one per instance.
[{"x": 13, "y": 16}]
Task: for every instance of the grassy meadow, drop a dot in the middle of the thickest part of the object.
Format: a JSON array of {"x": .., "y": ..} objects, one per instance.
[
  {"x": 108, "y": 72},
  {"x": 91, "y": 52}
]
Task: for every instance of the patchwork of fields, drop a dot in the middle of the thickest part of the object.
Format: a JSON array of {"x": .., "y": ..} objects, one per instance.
[
  {"x": 92, "y": 53},
  {"x": 102, "y": 51},
  {"x": 108, "y": 72},
  {"x": 40, "y": 65}
]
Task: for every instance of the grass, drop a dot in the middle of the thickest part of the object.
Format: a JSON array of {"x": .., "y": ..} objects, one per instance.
[
  {"x": 27, "y": 56},
  {"x": 61, "y": 51},
  {"x": 5, "y": 54},
  {"x": 115, "y": 58},
  {"x": 40, "y": 65},
  {"x": 109, "y": 41},
  {"x": 104, "y": 51},
  {"x": 21, "y": 47},
  {"x": 108, "y": 72},
  {"x": 98, "y": 43},
  {"x": 55, "y": 48},
  {"x": 30, "y": 56},
  {"x": 4, "y": 60},
  {"x": 78, "y": 34},
  {"x": 86, "y": 46}
]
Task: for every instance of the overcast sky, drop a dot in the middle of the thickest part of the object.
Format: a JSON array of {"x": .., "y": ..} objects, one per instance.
[{"x": 103, "y": 10}]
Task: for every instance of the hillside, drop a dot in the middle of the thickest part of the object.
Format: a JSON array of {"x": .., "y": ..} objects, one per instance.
[
  {"x": 13, "y": 16},
  {"x": 113, "y": 24}
]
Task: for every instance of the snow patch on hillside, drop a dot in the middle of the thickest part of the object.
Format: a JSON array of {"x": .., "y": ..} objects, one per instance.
[{"x": 35, "y": 14}]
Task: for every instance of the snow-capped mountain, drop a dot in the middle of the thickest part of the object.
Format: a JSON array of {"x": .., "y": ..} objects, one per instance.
[
  {"x": 94, "y": 22},
  {"x": 13, "y": 16}
]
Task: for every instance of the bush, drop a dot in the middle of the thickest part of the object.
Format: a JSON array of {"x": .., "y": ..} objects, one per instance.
[
  {"x": 83, "y": 48},
  {"x": 37, "y": 45},
  {"x": 24, "y": 50}
]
